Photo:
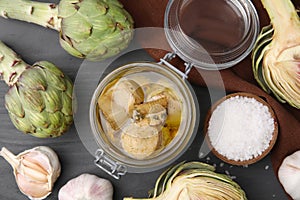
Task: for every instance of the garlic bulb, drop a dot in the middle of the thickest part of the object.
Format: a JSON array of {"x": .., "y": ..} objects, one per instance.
[
  {"x": 86, "y": 186},
  {"x": 289, "y": 175},
  {"x": 35, "y": 170}
]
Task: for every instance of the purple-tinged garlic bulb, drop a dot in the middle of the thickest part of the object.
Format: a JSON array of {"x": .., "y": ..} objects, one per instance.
[
  {"x": 86, "y": 186},
  {"x": 289, "y": 175}
]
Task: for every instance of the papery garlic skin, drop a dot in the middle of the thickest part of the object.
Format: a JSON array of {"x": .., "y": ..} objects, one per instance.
[
  {"x": 35, "y": 170},
  {"x": 289, "y": 175},
  {"x": 86, "y": 187}
]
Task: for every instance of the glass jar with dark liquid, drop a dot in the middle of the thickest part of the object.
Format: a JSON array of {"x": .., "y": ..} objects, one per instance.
[{"x": 214, "y": 34}]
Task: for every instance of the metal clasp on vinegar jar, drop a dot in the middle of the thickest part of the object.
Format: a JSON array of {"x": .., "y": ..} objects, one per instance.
[
  {"x": 169, "y": 56},
  {"x": 108, "y": 165}
]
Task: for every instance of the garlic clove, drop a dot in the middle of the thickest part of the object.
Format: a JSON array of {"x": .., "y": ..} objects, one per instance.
[
  {"x": 32, "y": 188},
  {"x": 33, "y": 174},
  {"x": 35, "y": 170},
  {"x": 30, "y": 163},
  {"x": 37, "y": 158},
  {"x": 289, "y": 175},
  {"x": 86, "y": 186}
]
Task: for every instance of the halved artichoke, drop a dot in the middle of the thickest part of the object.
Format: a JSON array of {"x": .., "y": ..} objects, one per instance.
[
  {"x": 194, "y": 180},
  {"x": 276, "y": 54}
]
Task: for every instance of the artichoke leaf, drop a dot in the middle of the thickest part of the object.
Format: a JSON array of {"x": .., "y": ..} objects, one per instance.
[
  {"x": 259, "y": 74},
  {"x": 107, "y": 52},
  {"x": 262, "y": 42},
  {"x": 13, "y": 103},
  {"x": 163, "y": 179},
  {"x": 31, "y": 99},
  {"x": 56, "y": 119},
  {"x": 288, "y": 88},
  {"x": 114, "y": 39},
  {"x": 69, "y": 85},
  {"x": 66, "y": 104},
  {"x": 114, "y": 3},
  {"x": 68, "y": 120},
  {"x": 52, "y": 99},
  {"x": 109, "y": 47},
  {"x": 49, "y": 67},
  {"x": 121, "y": 15},
  {"x": 100, "y": 52},
  {"x": 65, "y": 125},
  {"x": 167, "y": 177},
  {"x": 33, "y": 78},
  {"x": 55, "y": 81},
  {"x": 46, "y": 132},
  {"x": 89, "y": 45},
  {"x": 67, "y": 8},
  {"x": 76, "y": 27},
  {"x": 67, "y": 44},
  {"x": 102, "y": 28},
  {"x": 38, "y": 119},
  {"x": 92, "y": 8},
  {"x": 267, "y": 76},
  {"x": 22, "y": 124}
]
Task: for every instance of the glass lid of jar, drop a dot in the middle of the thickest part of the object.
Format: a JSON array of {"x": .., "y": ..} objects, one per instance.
[{"x": 208, "y": 36}]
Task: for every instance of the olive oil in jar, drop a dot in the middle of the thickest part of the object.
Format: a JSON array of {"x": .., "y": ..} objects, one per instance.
[{"x": 217, "y": 25}]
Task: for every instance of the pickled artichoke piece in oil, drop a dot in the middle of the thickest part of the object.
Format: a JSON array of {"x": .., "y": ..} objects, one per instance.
[
  {"x": 140, "y": 141},
  {"x": 116, "y": 101}
]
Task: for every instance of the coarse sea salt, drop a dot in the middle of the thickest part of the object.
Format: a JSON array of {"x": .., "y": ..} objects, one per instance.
[{"x": 241, "y": 128}]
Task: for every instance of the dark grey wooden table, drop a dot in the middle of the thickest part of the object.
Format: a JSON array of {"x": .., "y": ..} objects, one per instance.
[{"x": 35, "y": 43}]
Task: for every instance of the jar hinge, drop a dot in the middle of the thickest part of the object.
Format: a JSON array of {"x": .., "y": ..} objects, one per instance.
[
  {"x": 169, "y": 56},
  {"x": 108, "y": 165}
]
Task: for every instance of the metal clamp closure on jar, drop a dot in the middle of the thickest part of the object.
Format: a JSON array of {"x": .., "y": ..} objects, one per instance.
[
  {"x": 170, "y": 56},
  {"x": 108, "y": 165}
]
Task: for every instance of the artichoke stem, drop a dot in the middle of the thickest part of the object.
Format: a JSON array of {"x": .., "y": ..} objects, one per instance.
[
  {"x": 281, "y": 13},
  {"x": 9, "y": 157},
  {"x": 44, "y": 14},
  {"x": 11, "y": 66}
]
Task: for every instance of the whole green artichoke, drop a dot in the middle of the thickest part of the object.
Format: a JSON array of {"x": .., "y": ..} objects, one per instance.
[
  {"x": 92, "y": 29},
  {"x": 39, "y": 101}
]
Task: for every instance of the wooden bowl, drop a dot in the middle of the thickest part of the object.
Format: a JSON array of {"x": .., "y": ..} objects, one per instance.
[{"x": 244, "y": 162}]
